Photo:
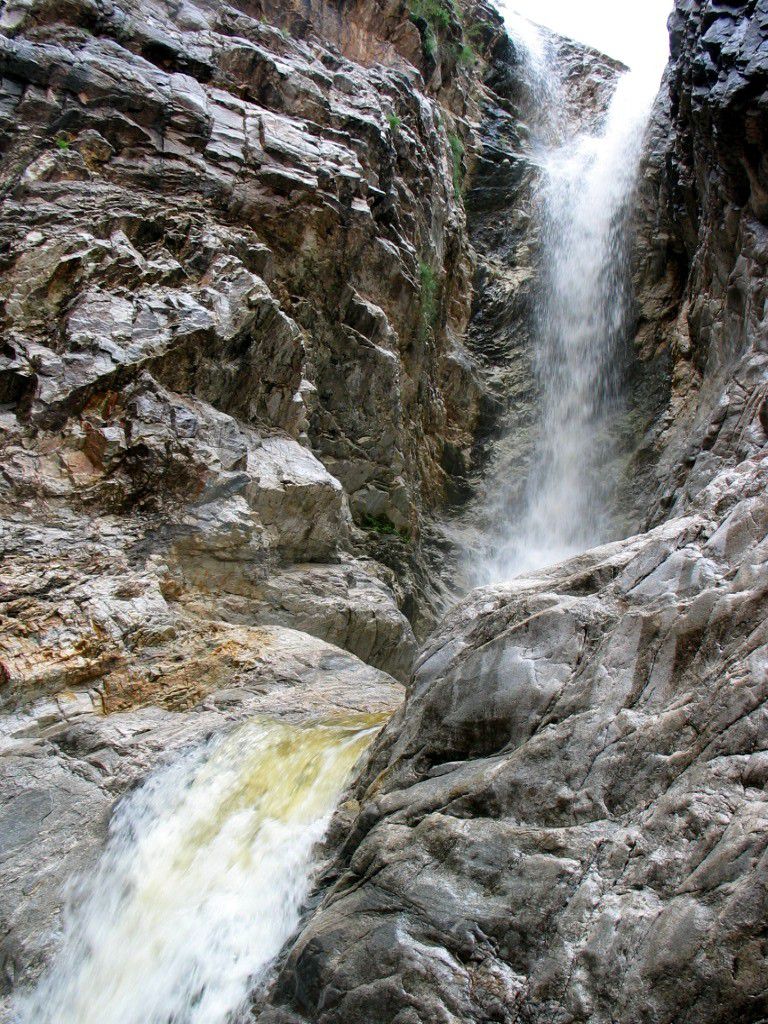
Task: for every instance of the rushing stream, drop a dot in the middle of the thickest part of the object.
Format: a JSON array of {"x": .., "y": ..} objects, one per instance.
[
  {"x": 581, "y": 324},
  {"x": 201, "y": 882}
]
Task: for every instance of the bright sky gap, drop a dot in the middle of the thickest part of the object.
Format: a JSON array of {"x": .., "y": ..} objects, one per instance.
[{"x": 633, "y": 33}]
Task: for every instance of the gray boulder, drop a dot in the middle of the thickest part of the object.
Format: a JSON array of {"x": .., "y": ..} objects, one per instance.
[{"x": 567, "y": 819}]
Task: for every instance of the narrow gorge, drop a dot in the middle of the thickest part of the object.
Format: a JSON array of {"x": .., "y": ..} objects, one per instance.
[{"x": 384, "y": 449}]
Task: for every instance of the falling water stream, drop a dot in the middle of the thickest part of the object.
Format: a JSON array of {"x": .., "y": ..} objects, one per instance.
[
  {"x": 581, "y": 325},
  {"x": 208, "y": 863},
  {"x": 202, "y": 880}
]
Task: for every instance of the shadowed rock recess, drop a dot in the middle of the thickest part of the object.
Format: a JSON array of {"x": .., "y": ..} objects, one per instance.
[{"x": 267, "y": 271}]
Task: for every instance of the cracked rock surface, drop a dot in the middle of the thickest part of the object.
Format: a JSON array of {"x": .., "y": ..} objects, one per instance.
[
  {"x": 266, "y": 274},
  {"x": 566, "y": 821}
]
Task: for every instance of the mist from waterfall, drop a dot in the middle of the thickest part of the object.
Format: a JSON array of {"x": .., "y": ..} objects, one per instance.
[
  {"x": 201, "y": 882},
  {"x": 581, "y": 324}
]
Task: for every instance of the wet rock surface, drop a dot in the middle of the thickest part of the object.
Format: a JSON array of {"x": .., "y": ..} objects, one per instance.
[
  {"x": 702, "y": 374},
  {"x": 566, "y": 821},
  {"x": 253, "y": 345}
]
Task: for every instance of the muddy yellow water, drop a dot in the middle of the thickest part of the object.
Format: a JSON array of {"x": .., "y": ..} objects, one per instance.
[{"x": 202, "y": 880}]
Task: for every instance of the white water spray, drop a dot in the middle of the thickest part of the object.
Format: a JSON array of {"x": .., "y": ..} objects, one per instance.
[
  {"x": 201, "y": 882},
  {"x": 581, "y": 327}
]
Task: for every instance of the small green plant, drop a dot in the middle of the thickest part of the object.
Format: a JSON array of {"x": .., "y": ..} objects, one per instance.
[
  {"x": 436, "y": 16},
  {"x": 428, "y": 283},
  {"x": 382, "y": 525},
  {"x": 476, "y": 33},
  {"x": 457, "y": 156},
  {"x": 394, "y": 122},
  {"x": 465, "y": 55},
  {"x": 62, "y": 143},
  {"x": 436, "y": 12},
  {"x": 430, "y": 43}
]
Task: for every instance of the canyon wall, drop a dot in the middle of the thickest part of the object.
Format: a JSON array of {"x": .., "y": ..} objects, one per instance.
[
  {"x": 566, "y": 821},
  {"x": 234, "y": 282},
  {"x": 266, "y": 274},
  {"x": 236, "y": 395},
  {"x": 700, "y": 267}
]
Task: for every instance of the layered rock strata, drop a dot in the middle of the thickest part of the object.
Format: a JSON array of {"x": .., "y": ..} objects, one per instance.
[
  {"x": 234, "y": 283},
  {"x": 567, "y": 819},
  {"x": 234, "y": 279},
  {"x": 701, "y": 261}
]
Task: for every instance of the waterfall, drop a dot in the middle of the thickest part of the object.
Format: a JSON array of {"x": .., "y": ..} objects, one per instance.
[
  {"x": 581, "y": 324},
  {"x": 201, "y": 882}
]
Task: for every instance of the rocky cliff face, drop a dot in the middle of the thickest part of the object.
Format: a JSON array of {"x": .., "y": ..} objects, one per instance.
[
  {"x": 566, "y": 821},
  {"x": 265, "y": 274},
  {"x": 234, "y": 281},
  {"x": 701, "y": 258}
]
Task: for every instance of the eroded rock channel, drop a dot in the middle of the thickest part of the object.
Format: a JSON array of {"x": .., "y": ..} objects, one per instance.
[{"x": 269, "y": 279}]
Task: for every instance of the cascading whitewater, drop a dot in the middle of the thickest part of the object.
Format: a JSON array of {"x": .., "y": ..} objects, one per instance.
[
  {"x": 201, "y": 882},
  {"x": 581, "y": 325}
]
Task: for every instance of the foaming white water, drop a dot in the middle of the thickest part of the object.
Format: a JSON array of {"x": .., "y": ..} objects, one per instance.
[
  {"x": 529, "y": 36},
  {"x": 201, "y": 882},
  {"x": 546, "y": 109},
  {"x": 581, "y": 328}
]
